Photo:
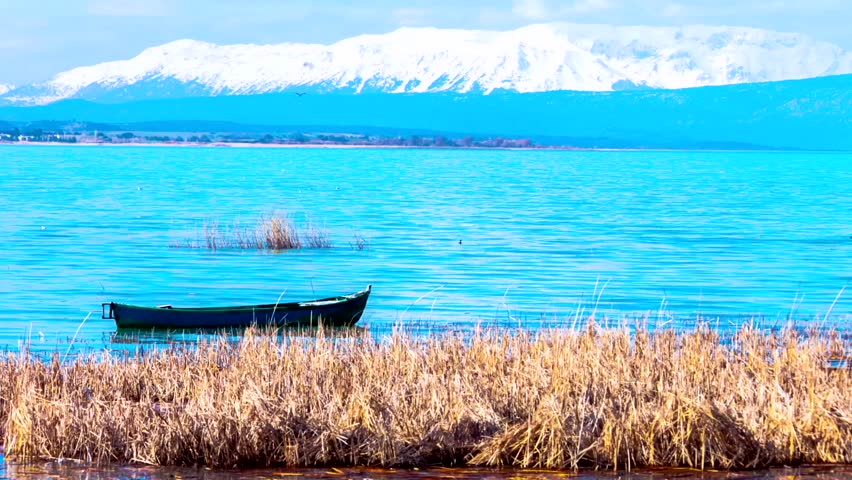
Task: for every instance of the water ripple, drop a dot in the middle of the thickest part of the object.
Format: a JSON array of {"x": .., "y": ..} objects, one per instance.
[{"x": 456, "y": 236}]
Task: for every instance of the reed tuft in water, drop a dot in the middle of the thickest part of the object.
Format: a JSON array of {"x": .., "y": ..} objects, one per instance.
[
  {"x": 278, "y": 233},
  {"x": 316, "y": 237},
  {"x": 272, "y": 232},
  {"x": 556, "y": 399},
  {"x": 359, "y": 243}
]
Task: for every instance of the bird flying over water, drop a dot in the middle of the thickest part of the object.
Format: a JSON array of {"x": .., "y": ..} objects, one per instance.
[{"x": 300, "y": 93}]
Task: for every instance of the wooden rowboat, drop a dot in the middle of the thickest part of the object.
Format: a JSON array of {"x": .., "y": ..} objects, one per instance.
[{"x": 342, "y": 311}]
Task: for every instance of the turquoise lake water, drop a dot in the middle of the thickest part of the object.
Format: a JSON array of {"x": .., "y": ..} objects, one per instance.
[{"x": 457, "y": 237}]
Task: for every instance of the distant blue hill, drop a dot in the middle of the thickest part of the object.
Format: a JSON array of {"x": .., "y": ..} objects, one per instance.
[{"x": 800, "y": 114}]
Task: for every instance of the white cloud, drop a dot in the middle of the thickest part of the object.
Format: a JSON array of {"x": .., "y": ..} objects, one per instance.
[
  {"x": 531, "y": 9},
  {"x": 546, "y": 10},
  {"x": 129, "y": 8},
  {"x": 411, "y": 16},
  {"x": 586, "y": 6},
  {"x": 674, "y": 10},
  {"x": 24, "y": 44}
]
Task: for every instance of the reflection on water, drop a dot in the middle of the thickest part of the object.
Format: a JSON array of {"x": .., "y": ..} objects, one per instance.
[
  {"x": 72, "y": 470},
  {"x": 180, "y": 337}
]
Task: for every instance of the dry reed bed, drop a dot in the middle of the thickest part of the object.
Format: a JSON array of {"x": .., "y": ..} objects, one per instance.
[{"x": 558, "y": 399}]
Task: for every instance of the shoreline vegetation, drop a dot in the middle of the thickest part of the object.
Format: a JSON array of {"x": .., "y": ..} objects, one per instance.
[
  {"x": 40, "y": 137},
  {"x": 554, "y": 399}
]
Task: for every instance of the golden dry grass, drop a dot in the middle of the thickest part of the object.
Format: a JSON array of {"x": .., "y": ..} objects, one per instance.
[{"x": 557, "y": 399}]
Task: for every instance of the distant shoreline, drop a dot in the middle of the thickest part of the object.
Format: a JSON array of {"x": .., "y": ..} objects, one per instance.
[
  {"x": 300, "y": 145},
  {"x": 335, "y": 146}
]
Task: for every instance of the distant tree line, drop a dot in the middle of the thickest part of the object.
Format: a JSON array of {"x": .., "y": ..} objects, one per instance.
[
  {"x": 437, "y": 141},
  {"x": 36, "y": 135}
]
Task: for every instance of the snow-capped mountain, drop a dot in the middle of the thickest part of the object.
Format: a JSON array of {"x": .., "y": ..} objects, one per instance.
[
  {"x": 542, "y": 57},
  {"x": 5, "y": 88}
]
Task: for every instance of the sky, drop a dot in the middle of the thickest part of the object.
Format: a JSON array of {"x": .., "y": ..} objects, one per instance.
[{"x": 41, "y": 38}]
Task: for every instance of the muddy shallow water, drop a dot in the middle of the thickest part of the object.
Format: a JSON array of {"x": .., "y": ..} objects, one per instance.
[{"x": 73, "y": 470}]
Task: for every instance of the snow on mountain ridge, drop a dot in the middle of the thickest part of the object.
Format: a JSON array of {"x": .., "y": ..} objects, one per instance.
[
  {"x": 5, "y": 88},
  {"x": 540, "y": 57}
]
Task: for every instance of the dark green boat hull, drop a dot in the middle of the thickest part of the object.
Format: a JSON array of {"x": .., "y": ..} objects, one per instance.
[{"x": 340, "y": 311}]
